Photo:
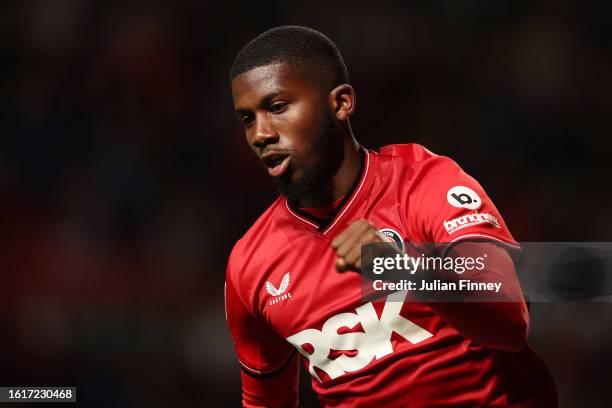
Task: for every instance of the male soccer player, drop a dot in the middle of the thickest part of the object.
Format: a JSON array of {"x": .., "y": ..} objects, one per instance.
[{"x": 292, "y": 287}]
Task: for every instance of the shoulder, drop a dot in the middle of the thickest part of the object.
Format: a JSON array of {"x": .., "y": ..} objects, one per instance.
[
  {"x": 413, "y": 166},
  {"x": 429, "y": 176},
  {"x": 415, "y": 158},
  {"x": 412, "y": 152}
]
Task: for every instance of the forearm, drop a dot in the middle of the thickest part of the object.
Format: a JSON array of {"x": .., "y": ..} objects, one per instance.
[{"x": 499, "y": 322}]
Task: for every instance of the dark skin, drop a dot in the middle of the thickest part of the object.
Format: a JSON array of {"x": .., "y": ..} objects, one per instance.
[{"x": 282, "y": 112}]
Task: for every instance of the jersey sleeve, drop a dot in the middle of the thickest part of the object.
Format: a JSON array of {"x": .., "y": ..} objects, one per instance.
[
  {"x": 260, "y": 350},
  {"x": 447, "y": 206},
  {"x": 270, "y": 370}
]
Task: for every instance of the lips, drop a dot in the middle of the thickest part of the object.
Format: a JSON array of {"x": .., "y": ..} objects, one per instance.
[{"x": 277, "y": 163}]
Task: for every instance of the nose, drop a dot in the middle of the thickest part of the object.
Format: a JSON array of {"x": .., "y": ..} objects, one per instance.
[{"x": 264, "y": 133}]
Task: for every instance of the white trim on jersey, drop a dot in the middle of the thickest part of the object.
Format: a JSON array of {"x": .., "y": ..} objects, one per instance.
[{"x": 300, "y": 218}]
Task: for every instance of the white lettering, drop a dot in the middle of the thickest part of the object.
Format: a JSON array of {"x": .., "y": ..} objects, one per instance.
[
  {"x": 467, "y": 220},
  {"x": 373, "y": 342}
]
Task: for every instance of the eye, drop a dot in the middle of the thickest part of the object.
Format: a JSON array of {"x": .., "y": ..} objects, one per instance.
[
  {"x": 247, "y": 119},
  {"x": 278, "y": 107}
]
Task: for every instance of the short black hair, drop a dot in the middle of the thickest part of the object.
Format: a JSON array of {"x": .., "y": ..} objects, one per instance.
[{"x": 309, "y": 51}]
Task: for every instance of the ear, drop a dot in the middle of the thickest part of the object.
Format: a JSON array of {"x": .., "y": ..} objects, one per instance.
[{"x": 343, "y": 101}]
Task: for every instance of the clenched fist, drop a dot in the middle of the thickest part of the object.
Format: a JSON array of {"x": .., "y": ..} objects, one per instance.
[{"x": 348, "y": 244}]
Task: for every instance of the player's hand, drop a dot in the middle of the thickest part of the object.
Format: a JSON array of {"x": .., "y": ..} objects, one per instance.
[{"x": 348, "y": 244}]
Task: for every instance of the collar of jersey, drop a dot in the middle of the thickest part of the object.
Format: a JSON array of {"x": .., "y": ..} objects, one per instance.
[{"x": 323, "y": 226}]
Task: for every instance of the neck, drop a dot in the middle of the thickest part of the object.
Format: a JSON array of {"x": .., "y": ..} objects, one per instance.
[{"x": 339, "y": 184}]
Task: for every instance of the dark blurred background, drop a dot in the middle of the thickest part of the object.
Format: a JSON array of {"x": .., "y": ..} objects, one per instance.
[{"x": 125, "y": 178}]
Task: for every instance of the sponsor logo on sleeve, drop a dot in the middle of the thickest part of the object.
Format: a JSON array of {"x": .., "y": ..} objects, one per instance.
[
  {"x": 468, "y": 220},
  {"x": 463, "y": 197}
]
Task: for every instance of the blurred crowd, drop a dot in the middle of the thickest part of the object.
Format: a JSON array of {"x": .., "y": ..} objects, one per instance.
[{"x": 125, "y": 178}]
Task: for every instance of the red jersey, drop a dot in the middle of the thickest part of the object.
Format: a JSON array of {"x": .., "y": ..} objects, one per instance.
[{"x": 283, "y": 294}]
